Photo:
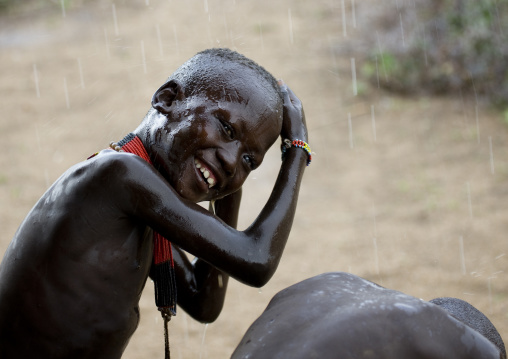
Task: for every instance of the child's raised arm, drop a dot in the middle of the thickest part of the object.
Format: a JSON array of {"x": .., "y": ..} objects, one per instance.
[
  {"x": 250, "y": 256},
  {"x": 202, "y": 287}
]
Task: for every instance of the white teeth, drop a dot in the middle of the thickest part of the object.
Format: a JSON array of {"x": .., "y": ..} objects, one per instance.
[{"x": 206, "y": 174}]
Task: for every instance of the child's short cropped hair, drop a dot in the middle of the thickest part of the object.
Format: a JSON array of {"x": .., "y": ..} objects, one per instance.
[{"x": 200, "y": 67}]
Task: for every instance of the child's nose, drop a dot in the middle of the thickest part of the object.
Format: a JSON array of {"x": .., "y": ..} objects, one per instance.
[{"x": 228, "y": 157}]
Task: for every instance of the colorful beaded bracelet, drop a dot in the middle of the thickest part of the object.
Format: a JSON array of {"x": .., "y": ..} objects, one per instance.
[{"x": 287, "y": 144}]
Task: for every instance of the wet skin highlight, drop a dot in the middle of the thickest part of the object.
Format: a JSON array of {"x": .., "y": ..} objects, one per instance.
[
  {"x": 72, "y": 277},
  {"x": 229, "y": 137},
  {"x": 339, "y": 315}
]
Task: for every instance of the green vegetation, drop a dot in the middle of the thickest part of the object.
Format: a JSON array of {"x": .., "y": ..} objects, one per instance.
[
  {"x": 18, "y": 6},
  {"x": 445, "y": 46},
  {"x": 4, "y": 4}
]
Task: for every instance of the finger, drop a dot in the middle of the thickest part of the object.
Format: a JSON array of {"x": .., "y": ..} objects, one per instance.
[
  {"x": 284, "y": 90},
  {"x": 294, "y": 100},
  {"x": 288, "y": 94},
  {"x": 285, "y": 94}
]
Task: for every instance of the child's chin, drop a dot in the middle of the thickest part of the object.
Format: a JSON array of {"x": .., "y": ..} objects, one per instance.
[{"x": 195, "y": 197}]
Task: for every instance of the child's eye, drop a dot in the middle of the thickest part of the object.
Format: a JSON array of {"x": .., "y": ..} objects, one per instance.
[
  {"x": 228, "y": 129},
  {"x": 250, "y": 162}
]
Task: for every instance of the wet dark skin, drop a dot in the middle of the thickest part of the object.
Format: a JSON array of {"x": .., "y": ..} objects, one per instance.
[
  {"x": 72, "y": 277},
  {"x": 340, "y": 315}
]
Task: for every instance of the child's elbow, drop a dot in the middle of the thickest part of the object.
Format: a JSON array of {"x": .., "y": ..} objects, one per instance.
[
  {"x": 258, "y": 275},
  {"x": 205, "y": 313},
  {"x": 206, "y": 317},
  {"x": 259, "y": 281}
]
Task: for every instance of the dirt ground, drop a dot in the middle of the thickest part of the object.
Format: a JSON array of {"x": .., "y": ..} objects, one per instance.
[{"x": 408, "y": 192}]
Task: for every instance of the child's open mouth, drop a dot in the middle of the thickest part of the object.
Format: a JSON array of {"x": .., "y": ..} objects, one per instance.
[{"x": 207, "y": 174}]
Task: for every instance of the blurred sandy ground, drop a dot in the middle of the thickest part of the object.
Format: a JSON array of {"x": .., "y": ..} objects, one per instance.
[{"x": 408, "y": 192}]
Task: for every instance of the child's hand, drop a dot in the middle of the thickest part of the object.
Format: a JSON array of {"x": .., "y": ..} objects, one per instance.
[{"x": 293, "y": 125}]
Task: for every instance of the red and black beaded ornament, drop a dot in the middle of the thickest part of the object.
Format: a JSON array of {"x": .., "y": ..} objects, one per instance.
[{"x": 163, "y": 269}]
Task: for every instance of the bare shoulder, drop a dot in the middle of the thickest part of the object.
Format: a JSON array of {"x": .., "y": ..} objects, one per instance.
[
  {"x": 75, "y": 243},
  {"x": 90, "y": 196},
  {"x": 108, "y": 173},
  {"x": 118, "y": 164}
]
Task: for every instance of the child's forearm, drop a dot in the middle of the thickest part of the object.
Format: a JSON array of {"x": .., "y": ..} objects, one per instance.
[
  {"x": 271, "y": 228},
  {"x": 212, "y": 284},
  {"x": 251, "y": 256},
  {"x": 270, "y": 231},
  {"x": 202, "y": 287}
]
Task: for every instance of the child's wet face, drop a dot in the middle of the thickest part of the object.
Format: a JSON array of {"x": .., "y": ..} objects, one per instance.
[{"x": 212, "y": 141}]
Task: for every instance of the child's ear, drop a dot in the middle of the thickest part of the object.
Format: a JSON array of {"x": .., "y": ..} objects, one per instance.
[{"x": 163, "y": 98}]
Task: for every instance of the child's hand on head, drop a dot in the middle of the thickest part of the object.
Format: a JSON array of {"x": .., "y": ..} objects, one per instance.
[{"x": 293, "y": 125}]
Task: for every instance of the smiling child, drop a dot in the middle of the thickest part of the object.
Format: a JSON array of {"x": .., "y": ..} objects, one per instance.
[{"x": 72, "y": 277}]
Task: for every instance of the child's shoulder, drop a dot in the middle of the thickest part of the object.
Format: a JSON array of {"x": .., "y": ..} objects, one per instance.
[
  {"x": 110, "y": 160},
  {"x": 109, "y": 166}
]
